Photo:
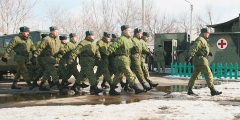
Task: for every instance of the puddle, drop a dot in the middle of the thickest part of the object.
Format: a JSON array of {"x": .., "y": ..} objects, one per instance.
[{"x": 31, "y": 97}]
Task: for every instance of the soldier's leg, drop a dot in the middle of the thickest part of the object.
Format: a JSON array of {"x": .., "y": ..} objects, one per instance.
[
  {"x": 208, "y": 76},
  {"x": 98, "y": 73},
  {"x": 137, "y": 70},
  {"x": 147, "y": 76},
  {"x": 15, "y": 80},
  {"x": 195, "y": 75},
  {"x": 24, "y": 72},
  {"x": 40, "y": 71},
  {"x": 163, "y": 66},
  {"x": 159, "y": 66}
]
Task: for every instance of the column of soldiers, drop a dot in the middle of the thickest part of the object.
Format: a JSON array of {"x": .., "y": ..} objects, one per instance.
[{"x": 121, "y": 56}]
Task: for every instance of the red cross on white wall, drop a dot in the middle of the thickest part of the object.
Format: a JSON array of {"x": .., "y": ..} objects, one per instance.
[{"x": 222, "y": 43}]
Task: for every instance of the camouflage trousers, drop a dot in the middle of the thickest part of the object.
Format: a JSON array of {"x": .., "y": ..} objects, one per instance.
[
  {"x": 87, "y": 64},
  {"x": 161, "y": 65},
  {"x": 145, "y": 70},
  {"x": 198, "y": 69},
  {"x": 103, "y": 69},
  {"x": 136, "y": 67},
  {"x": 41, "y": 69},
  {"x": 21, "y": 70},
  {"x": 50, "y": 71},
  {"x": 69, "y": 70}
]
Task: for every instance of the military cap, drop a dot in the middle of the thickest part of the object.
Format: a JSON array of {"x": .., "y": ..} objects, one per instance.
[
  {"x": 24, "y": 29},
  {"x": 106, "y": 34},
  {"x": 72, "y": 35},
  {"x": 114, "y": 36},
  {"x": 137, "y": 30},
  {"x": 63, "y": 37},
  {"x": 43, "y": 35},
  {"x": 159, "y": 45},
  {"x": 204, "y": 30},
  {"x": 146, "y": 34},
  {"x": 53, "y": 28},
  {"x": 124, "y": 27},
  {"x": 89, "y": 32}
]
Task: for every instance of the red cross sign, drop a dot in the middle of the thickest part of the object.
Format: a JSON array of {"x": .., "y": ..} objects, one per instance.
[{"x": 222, "y": 43}]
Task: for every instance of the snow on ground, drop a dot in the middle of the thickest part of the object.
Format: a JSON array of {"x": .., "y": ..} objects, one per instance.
[{"x": 173, "y": 106}]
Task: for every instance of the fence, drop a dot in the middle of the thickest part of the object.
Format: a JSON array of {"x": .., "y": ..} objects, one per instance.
[{"x": 218, "y": 70}]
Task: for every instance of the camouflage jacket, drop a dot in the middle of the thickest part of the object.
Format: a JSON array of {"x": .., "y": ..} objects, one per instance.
[
  {"x": 86, "y": 48},
  {"x": 122, "y": 48},
  {"x": 68, "y": 48},
  {"x": 51, "y": 46},
  {"x": 160, "y": 55},
  {"x": 21, "y": 46},
  {"x": 102, "y": 47},
  {"x": 145, "y": 50},
  {"x": 199, "y": 51},
  {"x": 137, "y": 48}
]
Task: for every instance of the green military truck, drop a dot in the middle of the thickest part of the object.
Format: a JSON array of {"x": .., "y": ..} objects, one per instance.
[
  {"x": 176, "y": 46},
  {"x": 11, "y": 66}
]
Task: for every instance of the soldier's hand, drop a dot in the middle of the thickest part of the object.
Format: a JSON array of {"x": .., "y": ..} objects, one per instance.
[
  {"x": 61, "y": 52},
  {"x": 187, "y": 59},
  {"x": 69, "y": 63},
  {"x": 33, "y": 60},
  {"x": 4, "y": 59},
  {"x": 210, "y": 54}
]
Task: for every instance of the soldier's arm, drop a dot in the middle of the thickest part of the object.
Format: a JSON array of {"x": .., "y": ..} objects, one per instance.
[
  {"x": 194, "y": 48},
  {"x": 9, "y": 48},
  {"x": 145, "y": 50},
  {"x": 114, "y": 46},
  {"x": 33, "y": 48},
  {"x": 40, "y": 48},
  {"x": 75, "y": 52}
]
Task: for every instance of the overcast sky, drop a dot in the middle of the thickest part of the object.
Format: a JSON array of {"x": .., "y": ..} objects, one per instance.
[{"x": 223, "y": 10}]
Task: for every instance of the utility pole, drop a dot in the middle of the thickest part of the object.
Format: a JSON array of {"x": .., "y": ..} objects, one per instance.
[
  {"x": 190, "y": 20},
  {"x": 143, "y": 14}
]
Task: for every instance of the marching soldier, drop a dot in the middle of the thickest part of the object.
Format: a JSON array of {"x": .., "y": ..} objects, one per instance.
[
  {"x": 53, "y": 52},
  {"x": 144, "y": 68},
  {"x": 21, "y": 45},
  {"x": 103, "y": 65},
  {"x": 122, "y": 48},
  {"x": 136, "y": 58},
  {"x": 87, "y": 50},
  {"x": 199, "y": 52},
  {"x": 160, "y": 58}
]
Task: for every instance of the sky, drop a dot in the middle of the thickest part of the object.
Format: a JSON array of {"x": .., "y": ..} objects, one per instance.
[
  {"x": 224, "y": 10},
  {"x": 174, "y": 106}
]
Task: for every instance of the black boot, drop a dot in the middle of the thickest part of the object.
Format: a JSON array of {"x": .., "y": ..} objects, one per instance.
[
  {"x": 65, "y": 82},
  {"x": 50, "y": 83},
  {"x": 34, "y": 84},
  {"x": 122, "y": 84},
  {"x": 60, "y": 86},
  {"x": 14, "y": 85},
  {"x": 75, "y": 88},
  {"x": 43, "y": 88},
  {"x": 136, "y": 89},
  {"x": 152, "y": 84},
  {"x": 112, "y": 91},
  {"x": 190, "y": 92},
  {"x": 126, "y": 88},
  {"x": 103, "y": 85},
  {"x": 95, "y": 90},
  {"x": 83, "y": 85},
  {"x": 29, "y": 85},
  {"x": 145, "y": 87},
  {"x": 214, "y": 92}
]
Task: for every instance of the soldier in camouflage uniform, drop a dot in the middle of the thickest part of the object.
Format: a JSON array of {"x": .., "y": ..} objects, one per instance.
[
  {"x": 160, "y": 58},
  {"x": 87, "y": 50},
  {"x": 53, "y": 51},
  {"x": 113, "y": 67},
  {"x": 103, "y": 65},
  {"x": 63, "y": 61},
  {"x": 21, "y": 45},
  {"x": 136, "y": 58},
  {"x": 199, "y": 51},
  {"x": 122, "y": 48},
  {"x": 144, "y": 54},
  {"x": 40, "y": 62}
]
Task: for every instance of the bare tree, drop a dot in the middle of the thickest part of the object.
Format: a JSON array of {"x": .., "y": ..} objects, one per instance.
[{"x": 14, "y": 13}]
